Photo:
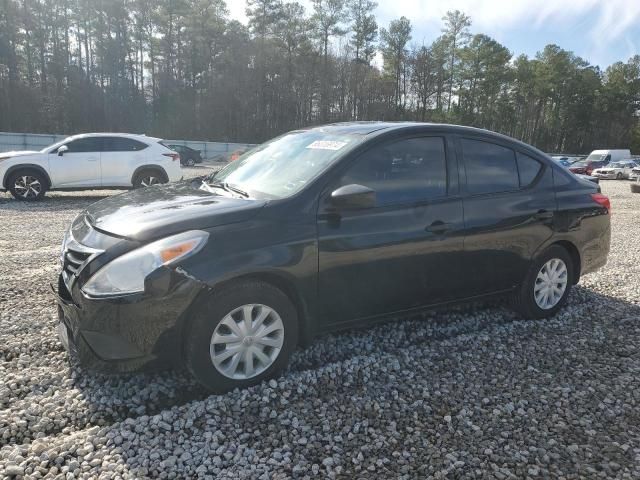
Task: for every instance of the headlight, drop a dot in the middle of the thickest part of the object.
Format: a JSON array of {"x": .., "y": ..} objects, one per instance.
[{"x": 126, "y": 274}]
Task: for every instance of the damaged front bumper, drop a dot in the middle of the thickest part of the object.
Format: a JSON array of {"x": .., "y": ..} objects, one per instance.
[{"x": 130, "y": 332}]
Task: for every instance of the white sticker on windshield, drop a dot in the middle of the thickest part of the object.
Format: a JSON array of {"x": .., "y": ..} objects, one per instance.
[{"x": 326, "y": 145}]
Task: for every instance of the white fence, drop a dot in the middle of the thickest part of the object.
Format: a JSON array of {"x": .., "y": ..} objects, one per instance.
[{"x": 33, "y": 141}]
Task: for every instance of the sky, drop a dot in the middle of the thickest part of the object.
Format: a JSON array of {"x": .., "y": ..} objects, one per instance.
[{"x": 600, "y": 31}]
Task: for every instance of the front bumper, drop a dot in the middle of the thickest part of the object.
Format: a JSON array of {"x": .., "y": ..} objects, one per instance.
[
  {"x": 131, "y": 332},
  {"x": 604, "y": 176}
]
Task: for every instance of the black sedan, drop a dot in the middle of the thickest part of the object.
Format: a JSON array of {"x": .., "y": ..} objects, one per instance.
[
  {"x": 188, "y": 156},
  {"x": 320, "y": 230}
]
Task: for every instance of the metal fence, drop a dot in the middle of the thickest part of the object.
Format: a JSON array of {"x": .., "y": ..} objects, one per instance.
[{"x": 34, "y": 141}]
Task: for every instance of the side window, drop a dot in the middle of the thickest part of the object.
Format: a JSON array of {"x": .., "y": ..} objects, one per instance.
[
  {"x": 89, "y": 144},
  {"x": 490, "y": 168},
  {"x": 119, "y": 144},
  {"x": 528, "y": 168},
  {"x": 403, "y": 171}
]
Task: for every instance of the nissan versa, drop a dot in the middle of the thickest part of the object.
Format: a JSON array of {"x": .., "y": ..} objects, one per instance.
[{"x": 318, "y": 230}]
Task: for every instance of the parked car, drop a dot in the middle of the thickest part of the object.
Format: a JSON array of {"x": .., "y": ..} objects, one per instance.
[
  {"x": 563, "y": 162},
  {"x": 93, "y": 160},
  {"x": 188, "y": 156},
  {"x": 320, "y": 230},
  {"x": 598, "y": 159},
  {"x": 566, "y": 161},
  {"x": 615, "y": 170},
  {"x": 635, "y": 173}
]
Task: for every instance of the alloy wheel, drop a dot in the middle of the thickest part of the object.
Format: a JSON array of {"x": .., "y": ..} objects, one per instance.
[
  {"x": 247, "y": 341},
  {"x": 550, "y": 283},
  {"x": 27, "y": 186},
  {"x": 149, "y": 180}
]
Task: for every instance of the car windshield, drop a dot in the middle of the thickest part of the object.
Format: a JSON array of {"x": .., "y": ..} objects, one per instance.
[
  {"x": 617, "y": 165},
  {"x": 283, "y": 166},
  {"x": 581, "y": 163}
]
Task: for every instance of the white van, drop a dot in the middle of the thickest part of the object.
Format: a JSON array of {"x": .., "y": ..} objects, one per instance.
[{"x": 608, "y": 156}]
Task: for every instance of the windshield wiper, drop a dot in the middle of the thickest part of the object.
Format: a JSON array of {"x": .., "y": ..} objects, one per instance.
[
  {"x": 233, "y": 188},
  {"x": 229, "y": 188}
]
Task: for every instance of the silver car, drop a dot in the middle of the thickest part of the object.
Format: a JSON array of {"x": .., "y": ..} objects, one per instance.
[{"x": 615, "y": 170}]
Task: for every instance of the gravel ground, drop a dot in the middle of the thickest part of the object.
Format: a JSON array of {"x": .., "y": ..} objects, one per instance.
[{"x": 471, "y": 392}]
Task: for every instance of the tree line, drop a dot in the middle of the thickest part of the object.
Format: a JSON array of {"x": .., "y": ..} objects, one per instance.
[{"x": 185, "y": 69}]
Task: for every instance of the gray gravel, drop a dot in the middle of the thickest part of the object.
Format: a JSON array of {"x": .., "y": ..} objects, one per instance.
[{"x": 468, "y": 392}]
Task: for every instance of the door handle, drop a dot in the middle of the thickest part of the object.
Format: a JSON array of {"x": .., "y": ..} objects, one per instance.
[
  {"x": 92, "y": 159},
  {"x": 439, "y": 227},
  {"x": 543, "y": 215}
]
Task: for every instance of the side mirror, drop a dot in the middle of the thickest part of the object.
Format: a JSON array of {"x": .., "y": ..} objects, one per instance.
[
  {"x": 353, "y": 196},
  {"x": 62, "y": 149}
]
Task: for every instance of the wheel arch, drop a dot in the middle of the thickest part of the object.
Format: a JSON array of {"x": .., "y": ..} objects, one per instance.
[
  {"x": 574, "y": 253},
  {"x": 151, "y": 166},
  {"x": 25, "y": 166},
  {"x": 282, "y": 283}
]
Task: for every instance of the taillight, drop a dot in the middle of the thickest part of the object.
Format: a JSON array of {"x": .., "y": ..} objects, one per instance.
[
  {"x": 603, "y": 200},
  {"x": 174, "y": 156}
]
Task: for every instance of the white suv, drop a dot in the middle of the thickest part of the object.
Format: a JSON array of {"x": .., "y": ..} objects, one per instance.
[{"x": 92, "y": 160}]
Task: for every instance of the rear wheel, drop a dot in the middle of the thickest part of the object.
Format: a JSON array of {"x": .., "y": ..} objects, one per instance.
[
  {"x": 240, "y": 336},
  {"x": 27, "y": 185},
  {"x": 147, "y": 178},
  {"x": 546, "y": 285}
]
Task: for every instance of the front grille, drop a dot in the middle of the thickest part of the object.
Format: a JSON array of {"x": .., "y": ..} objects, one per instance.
[{"x": 74, "y": 258}]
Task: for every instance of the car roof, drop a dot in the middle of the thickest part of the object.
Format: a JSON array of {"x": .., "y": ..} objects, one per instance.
[
  {"x": 365, "y": 128},
  {"x": 136, "y": 136},
  {"x": 376, "y": 128}
]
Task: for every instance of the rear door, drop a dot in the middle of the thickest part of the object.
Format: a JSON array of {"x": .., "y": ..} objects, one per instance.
[
  {"x": 120, "y": 157},
  {"x": 79, "y": 166},
  {"x": 509, "y": 205},
  {"x": 406, "y": 250}
]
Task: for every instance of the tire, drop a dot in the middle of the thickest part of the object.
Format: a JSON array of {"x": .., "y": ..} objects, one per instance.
[
  {"x": 190, "y": 162},
  {"x": 210, "y": 322},
  {"x": 27, "y": 185},
  {"x": 148, "y": 177},
  {"x": 619, "y": 176},
  {"x": 524, "y": 300}
]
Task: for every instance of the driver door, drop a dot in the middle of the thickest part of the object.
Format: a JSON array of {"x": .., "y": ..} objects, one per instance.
[
  {"x": 79, "y": 166},
  {"x": 403, "y": 252}
]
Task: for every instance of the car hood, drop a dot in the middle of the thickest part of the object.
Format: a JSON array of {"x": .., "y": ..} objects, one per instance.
[
  {"x": 16, "y": 153},
  {"x": 158, "y": 211}
]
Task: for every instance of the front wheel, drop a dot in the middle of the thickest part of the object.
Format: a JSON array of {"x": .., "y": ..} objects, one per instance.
[
  {"x": 240, "y": 336},
  {"x": 547, "y": 284},
  {"x": 619, "y": 176},
  {"x": 190, "y": 162},
  {"x": 27, "y": 185}
]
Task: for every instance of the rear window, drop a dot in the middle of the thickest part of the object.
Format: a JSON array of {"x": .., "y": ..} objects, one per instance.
[{"x": 490, "y": 168}]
